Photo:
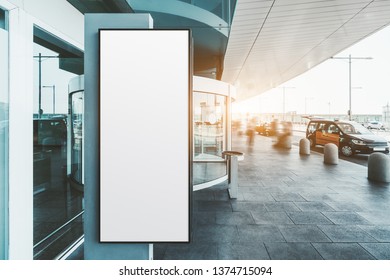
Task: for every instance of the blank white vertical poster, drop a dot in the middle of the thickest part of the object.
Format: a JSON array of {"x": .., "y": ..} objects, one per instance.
[{"x": 144, "y": 135}]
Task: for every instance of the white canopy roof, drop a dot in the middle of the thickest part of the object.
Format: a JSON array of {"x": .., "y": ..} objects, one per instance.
[{"x": 273, "y": 41}]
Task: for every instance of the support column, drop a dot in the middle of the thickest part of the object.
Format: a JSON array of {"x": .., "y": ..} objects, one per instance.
[
  {"x": 20, "y": 135},
  {"x": 93, "y": 249}
]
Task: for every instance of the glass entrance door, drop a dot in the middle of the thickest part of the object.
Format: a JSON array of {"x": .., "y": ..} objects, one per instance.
[{"x": 209, "y": 137}]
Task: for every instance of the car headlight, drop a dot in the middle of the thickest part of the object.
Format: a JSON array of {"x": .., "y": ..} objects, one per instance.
[{"x": 358, "y": 142}]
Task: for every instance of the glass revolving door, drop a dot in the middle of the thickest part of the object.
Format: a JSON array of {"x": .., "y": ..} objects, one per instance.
[{"x": 76, "y": 121}]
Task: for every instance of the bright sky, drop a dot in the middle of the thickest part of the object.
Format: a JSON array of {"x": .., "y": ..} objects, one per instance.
[
  {"x": 325, "y": 88},
  {"x": 51, "y": 75},
  {"x": 322, "y": 90}
]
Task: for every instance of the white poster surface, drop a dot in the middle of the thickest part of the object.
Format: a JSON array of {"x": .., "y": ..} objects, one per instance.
[{"x": 144, "y": 135}]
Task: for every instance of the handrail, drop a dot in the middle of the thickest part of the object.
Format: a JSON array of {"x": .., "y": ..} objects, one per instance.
[
  {"x": 69, "y": 250},
  {"x": 58, "y": 229}
]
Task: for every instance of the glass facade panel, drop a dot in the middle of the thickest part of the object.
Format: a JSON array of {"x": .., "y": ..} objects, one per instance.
[
  {"x": 4, "y": 106},
  {"x": 58, "y": 206},
  {"x": 209, "y": 137},
  {"x": 221, "y": 8}
]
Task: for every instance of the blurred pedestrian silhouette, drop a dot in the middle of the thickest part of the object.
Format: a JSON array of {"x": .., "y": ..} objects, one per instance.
[
  {"x": 250, "y": 131},
  {"x": 284, "y": 136}
]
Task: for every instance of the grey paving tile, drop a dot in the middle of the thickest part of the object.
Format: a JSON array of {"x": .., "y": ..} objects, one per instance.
[
  {"x": 376, "y": 217},
  {"x": 375, "y": 206},
  {"x": 301, "y": 183},
  {"x": 342, "y": 251},
  {"x": 273, "y": 183},
  {"x": 250, "y": 251},
  {"x": 214, "y": 206},
  {"x": 159, "y": 251},
  {"x": 306, "y": 218},
  {"x": 245, "y": 189},
  {"x": 376, "y": 184},
  {"x": 244, "y": 182},
  {"x": 192, "y": 251},
  {"x": 288, "y": 197},
  {"x": 275, "y": 218},
  {"x": 346, "y": 218},
  {"x": 319, "y": 197},
  {"x": 380, "y": 233},
  {"x": 292, "y": 251},
  {"x": 344, "y": 206},
  {"x": 234, "y": 218},
  {"x": 281, "y": 175},
  {"x": 259, "y": 233},
  {"x": 215, "y": 234},
  {"x": 310, "y": 192},
  {"x": 221, "y": 195},
  {"x": 248, "y": 206},
  {"x": 272, "y": 190},
  {"x": 380, "y": 251},
  {"x": 204, "y": 218},
  {"x": 349, "y": 233},
  {"x": 259, "y": 196},
  {"x": 314, "y": 206},
  {"x": 319, "y": 190},
  {"x": 303, "y": 233},
  {"x": 281, "y": 206},
  {"x": 203, "y": 195}
]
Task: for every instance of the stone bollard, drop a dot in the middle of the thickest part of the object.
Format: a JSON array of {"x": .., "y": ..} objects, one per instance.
[
  {"x": 304, "y": 146},
  {"x": 331, "y": 154},
  {"x": 379, "y": 167}
]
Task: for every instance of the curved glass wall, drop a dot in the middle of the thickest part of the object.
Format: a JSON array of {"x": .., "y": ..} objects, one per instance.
[
  {"x": 76, "y": 133},
  {"x": 209, "y": 136},
  {"x": 221, "y": 8},
  {"x": 211, "y": 129}
]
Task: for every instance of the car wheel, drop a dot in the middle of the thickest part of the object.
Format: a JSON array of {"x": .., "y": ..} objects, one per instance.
[
  {"x": 312, "y": 142},
  {"x": 346, "y": 150}
]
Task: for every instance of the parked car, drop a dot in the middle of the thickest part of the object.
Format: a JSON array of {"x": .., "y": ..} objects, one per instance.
[
  {"x": 50, "y": 132},
  {"x": 375, "y": 125},
  {"x": 351, "y": 137}
]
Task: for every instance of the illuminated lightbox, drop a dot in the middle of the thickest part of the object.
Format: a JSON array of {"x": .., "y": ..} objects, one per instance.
[{"x": 145, "y": 135}]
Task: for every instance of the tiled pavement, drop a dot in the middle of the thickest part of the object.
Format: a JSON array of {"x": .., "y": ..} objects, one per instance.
[{"x": 289, "y": 207}]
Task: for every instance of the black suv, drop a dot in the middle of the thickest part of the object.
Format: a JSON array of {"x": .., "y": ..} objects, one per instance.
[{"x": 351, "y": 137}]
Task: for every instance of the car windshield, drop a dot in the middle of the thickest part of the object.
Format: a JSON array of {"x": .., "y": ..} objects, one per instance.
[{"x": 353, "y": 128}]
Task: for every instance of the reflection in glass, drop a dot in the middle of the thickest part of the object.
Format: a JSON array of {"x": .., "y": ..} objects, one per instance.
[
  {"x": 209, "y": 137},
  {"x": 57, "y": 206},
  {"x": 76, "y": 123},
  {"x": 220, "y": 8}
]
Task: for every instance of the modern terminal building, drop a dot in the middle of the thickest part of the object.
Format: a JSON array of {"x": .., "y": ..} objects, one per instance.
[{"x": 49, "y": 114}]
